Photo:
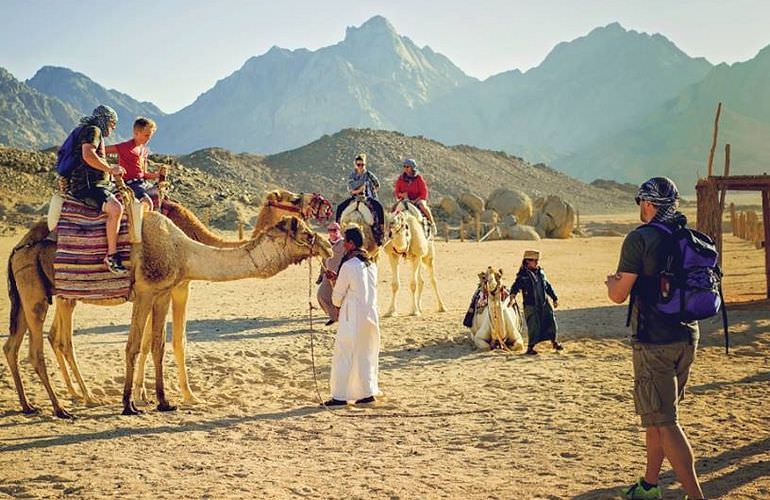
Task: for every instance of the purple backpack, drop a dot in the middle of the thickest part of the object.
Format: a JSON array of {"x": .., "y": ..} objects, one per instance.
[
  {"x": 69, "y": 155},
  {"x": 689, "y": 285}
]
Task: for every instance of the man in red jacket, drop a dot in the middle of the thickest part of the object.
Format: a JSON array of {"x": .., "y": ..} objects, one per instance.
[{"x": 411, "y": 186}]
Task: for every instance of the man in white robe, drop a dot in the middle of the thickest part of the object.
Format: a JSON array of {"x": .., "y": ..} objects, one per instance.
[{"x": 355, "y": 361}]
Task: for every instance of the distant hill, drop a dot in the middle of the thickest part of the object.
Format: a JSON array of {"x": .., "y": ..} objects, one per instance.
[
  {"x": 31, "y": 119},
  {"x": 582, "y": 91},
  {"x": 83, "y": 94},
  {"x": 674, "y": 138},
  {"x": 283, "y": 99},
  {"x": 212, "y": 180}
]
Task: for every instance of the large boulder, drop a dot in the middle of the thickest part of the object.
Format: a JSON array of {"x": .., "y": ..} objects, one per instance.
[
  {"x": 519, "y": 232},
  {"x": 511, "y": 202},
  {"x": 489, "y": 217},
  {"x": 554, "y": 217},
  {"x": 471, "y": 203},
  {"x": 449, "y": 205}
]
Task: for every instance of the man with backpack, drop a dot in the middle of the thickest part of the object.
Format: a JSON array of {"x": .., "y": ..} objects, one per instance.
[
  {"x": 82, "y": 161},
  {"x": 663, "y": 344}
]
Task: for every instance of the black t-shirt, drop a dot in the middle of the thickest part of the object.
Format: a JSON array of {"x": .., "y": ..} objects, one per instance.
[
  {"x": 642, "y": 255},
  {"x": 83, "y": 176}
]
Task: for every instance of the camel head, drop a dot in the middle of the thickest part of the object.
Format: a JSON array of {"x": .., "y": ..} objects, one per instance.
[
  {"x": 491, "y": 280},
  {"x": 398, "y": 229},
  {"x": 304, "y": 205},
  {"x": 297, "y": 239}
]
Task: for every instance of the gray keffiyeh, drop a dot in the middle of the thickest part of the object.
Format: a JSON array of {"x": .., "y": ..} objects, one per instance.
[
  {"x": 663, "y": 193},
  {"x": 101, "y": 117}
]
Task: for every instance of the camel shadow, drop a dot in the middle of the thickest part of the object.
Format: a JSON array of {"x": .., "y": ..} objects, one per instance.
[
  {"x": 43, "y": 442},
  {"x": 216, "y": 329}
]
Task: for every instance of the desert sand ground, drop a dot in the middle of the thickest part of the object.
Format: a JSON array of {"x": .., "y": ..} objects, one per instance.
[{"x": 453, "y": 422}]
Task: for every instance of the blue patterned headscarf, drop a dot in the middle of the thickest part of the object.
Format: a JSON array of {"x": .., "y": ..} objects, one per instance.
[
  {"x": 101, "y": 117},
  {"x": 663, "y": 193}
]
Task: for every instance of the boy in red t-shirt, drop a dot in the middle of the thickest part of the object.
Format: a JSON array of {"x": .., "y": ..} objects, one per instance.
[{"x": 132, "y": 156}]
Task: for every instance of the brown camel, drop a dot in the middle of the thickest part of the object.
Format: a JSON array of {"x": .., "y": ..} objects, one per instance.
[
  {"x": 30, "y": 273},
  {"x": 165, "y": 259},
  {"x": 34, "y": 252}
]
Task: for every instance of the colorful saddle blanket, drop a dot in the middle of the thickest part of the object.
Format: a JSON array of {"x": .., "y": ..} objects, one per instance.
[{"x": 79, "y": 269}]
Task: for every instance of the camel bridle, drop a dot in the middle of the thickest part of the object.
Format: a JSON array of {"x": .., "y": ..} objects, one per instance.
[
  {"x": 401, "y": 226},
  {"x": 318, "y": 208}
]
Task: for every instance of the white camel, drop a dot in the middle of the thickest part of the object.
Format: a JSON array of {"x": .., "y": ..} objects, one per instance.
[
  {"x": 408, "y": 241},
  {"x": 358, "y": 213},
  {"x": 495, "y": 324}
]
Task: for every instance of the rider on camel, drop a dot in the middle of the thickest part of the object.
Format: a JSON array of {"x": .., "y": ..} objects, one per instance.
[
  {"x": 411, "y": 186},
  {"x": 362, "y": 182}
]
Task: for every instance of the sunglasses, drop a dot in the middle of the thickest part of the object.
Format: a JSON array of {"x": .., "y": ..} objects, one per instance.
[{"x": 359, "y": 164}]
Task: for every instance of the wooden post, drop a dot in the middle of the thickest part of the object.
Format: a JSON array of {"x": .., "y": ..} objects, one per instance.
[
  {"x": 240, "y": 229},
  {"x": 709, "y": 216},
  {"x": 446, "y": 232},
  {"x": 733, "y": 218},
  {"x": 727, "y": 173},
  {"x": 577, "y": 214},
  {"x": 462, "y": 231},
  {"x": 766, "y": 225},
  {"x": 714, "y": 140},
  {"x": 477, "y": 220}
]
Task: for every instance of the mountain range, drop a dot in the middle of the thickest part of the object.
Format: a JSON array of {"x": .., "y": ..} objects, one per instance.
[{"x": 614, "y": 103}]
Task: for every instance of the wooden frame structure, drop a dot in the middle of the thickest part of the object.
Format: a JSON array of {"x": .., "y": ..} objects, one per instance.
[{"x": 710, "y": 193}]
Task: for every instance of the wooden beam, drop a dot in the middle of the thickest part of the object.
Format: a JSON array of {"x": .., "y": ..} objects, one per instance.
[
  {"x": 741, "y": 182},
  {"x": 714, "y": 140}
]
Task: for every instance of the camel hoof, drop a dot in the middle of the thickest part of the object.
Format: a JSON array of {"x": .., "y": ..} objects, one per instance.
[
  {"x": 390, "y": 314},
  {"x": 131, "y": 409},
  {"x": 30, "y": 410},
  {"x": 166, "y": 407},
  {"x": 192, "y": 400},
  {"x": 62, "y": 413},
  {"x": 442, "y": 309},
  {"x": 416, "y": 313}
]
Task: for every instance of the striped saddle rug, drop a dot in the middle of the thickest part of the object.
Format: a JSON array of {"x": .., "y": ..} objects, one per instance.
[{"x": 79, "y": 269}]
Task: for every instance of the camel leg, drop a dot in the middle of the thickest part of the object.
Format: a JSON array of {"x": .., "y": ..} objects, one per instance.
[
  {"x": 35, "y": 320},
  {"x": 139, "y": 387},
  {"x": 413, "y": 285},
  {"x": 429, "y": 262},
  {"x": 483, "y": 334},
  {"x": 11, "y": 349},
  {"x": 139, "y": 315},
  {"x": 58, "y": 350},
  {"x": 62, "y": 340},
  {"x": 395, "y": 284},
  {"x": 159, "y": 312},
  {"x": 179, "y": 298}
]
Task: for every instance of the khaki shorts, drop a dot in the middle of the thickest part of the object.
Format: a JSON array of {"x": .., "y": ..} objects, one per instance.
[{"x": 660, "y": 374}]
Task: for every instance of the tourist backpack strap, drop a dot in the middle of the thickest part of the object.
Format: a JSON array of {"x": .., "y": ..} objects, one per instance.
[{"x": 724, "y": 320}]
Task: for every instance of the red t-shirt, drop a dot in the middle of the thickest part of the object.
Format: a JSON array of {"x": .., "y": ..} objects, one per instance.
[
  {"x": 414, "y": 188},
  {"x": 133, "y": 158}
]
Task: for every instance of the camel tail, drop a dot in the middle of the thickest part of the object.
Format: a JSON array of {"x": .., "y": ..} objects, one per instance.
[{"x": 13, "y": 295}]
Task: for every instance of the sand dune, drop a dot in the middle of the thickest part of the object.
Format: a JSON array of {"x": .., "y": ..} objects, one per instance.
[{"x": 453, "y": 422}]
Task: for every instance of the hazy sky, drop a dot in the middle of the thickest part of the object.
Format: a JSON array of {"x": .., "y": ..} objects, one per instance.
[{"x": 169, "y": 52}]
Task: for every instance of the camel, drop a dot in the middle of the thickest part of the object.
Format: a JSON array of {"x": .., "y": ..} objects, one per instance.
[
  {"x": 39, "y": 253},
  {"x": 35, "y": 255},
  {"x": 495, "y": 324},
  {"x": 165, "y": 259},
  {"x": 358, "y": 214},
  {"x": 408, "y": 241}
]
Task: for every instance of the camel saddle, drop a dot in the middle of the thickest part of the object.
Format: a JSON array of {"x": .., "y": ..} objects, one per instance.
[{"x": 79, "y": 269}]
